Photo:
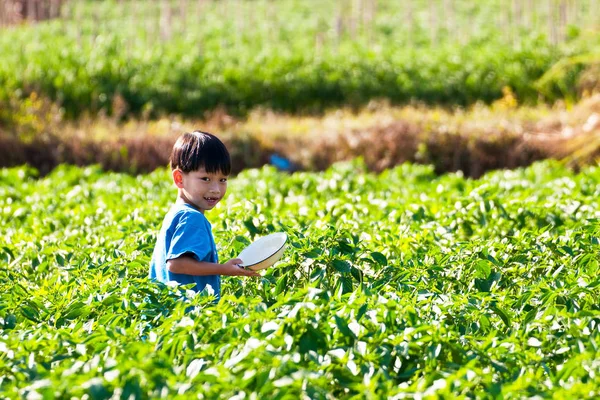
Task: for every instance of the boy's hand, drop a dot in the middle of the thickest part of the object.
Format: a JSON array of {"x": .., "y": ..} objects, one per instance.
[{"x": 232, "y": 268}]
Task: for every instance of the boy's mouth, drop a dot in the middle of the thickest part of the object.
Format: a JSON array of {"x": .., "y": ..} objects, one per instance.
[{"x": 211, "y": 200}]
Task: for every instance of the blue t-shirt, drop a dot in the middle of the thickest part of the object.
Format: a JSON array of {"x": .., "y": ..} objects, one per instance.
[{"x": 185, "y": 230}]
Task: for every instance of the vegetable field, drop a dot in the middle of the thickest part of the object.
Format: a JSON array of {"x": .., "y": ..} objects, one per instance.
[
  {"x": 397, "y": 285},
  {"x": 150, "y": 58}
]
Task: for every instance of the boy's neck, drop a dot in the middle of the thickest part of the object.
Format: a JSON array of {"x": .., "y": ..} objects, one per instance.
[{"x": 181, "y": 200}]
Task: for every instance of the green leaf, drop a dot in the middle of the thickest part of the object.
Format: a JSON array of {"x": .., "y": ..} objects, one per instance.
[
  {"x": 343, "y": 327},
  {"x": 312, "y": 340},
  {"x": 74, "y": 310},
  {"x": 357, "y": 274},
  {"x": 530, "y": 316},
  {"x": 242, "y": 239},
  {"x": 484, "y": 323},
  {"x": 502, "y": 314},
  {"x": 483, "y": 268},
  {"x": 314, "y": 253},
  {"x": 379, "y": 258},
  {"x": 249, "y": 224},
  {"x": 282, "y": 283},
  {"x": 10, "y": 321},
  {"x": 7, "y": 254},
  {"x": 361, "y": 311},
  {"x": 112, "y": 299},
  {"x": 30, "y": 313},
  {"x": 341, "y": 266},
  {"x": 346, "y": 248}
]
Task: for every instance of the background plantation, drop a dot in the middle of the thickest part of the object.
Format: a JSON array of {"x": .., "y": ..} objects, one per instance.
[
  {"x": 187, "y": 57},
  {"x": 490, "y": 84},
  {"x": 395, "y": 283}
]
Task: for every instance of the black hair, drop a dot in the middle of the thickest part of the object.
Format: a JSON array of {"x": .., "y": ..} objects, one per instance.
[{"x": 198, "y": 149}]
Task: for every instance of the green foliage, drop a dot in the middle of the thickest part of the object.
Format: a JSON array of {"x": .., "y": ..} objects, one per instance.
[
  {"x": 392, "y": 284},
  {"x": 561, "y": 77},
  {"x": 103, "y": 61}
]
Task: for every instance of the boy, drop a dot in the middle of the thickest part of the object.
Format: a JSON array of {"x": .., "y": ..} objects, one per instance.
[{"x": 185, "y": 250}]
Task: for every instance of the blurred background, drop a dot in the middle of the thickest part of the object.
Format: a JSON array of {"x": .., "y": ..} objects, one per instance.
[{"x": 462, "y": 85}]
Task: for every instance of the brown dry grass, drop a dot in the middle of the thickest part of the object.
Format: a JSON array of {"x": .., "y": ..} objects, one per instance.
[{"x": 473, "y": 140}]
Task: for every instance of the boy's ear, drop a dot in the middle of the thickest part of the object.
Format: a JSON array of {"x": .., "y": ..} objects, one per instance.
[{"x": 178, "y": 178}]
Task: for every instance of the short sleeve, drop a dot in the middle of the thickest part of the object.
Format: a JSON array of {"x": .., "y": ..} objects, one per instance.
[{"x": 189, "y": 235}]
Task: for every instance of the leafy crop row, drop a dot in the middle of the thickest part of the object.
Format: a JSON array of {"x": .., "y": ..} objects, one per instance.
[
  {"x": 102, "y": 62},
  {"x": 393, "y": 284}
]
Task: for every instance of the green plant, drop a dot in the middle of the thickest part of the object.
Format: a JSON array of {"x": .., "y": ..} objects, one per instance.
[
  {"x": 401, "y": 283},
  {"x": 97, "y": 62}
]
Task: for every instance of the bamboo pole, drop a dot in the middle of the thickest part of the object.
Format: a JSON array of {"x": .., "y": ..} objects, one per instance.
[
  {"x": 562, "y": 18},
  {"x": 363, "y": 14},
  {"x": 338, "y": 23},
  {"x": 432, "y": 21},
  {"x": 239, "y": 23},
  {"x": 4, "y": 14},
  {"x": 503, "y": 23},
  {"x": 137, "y": 20},
  {"x": 359, "y": 9},
  {"x": 31, "y": 11},
  {"x": 552, "y": 23},
  {"x": 77, "y": 13},
  {"x": 319, "y": 42},
  {"x": 518, "y": 13},
  {"x": 594, "y": 13},
  {"x": 509, "y": 25},
  {"x": 199, "y": 11},
  {"x": 199, "y": 19},
  {"x": 127, "y": 19},
  {"x": 449, "y": 12},
  {"x": 224, "y": 13},
  {"x": 96, "y": 28},
  {"x": 573, "y": 13},
  {"x": 182, "y": 16},
  {"x": 369, "y": 11},
  {"x": 530, "y": 11},
  {"x": 166, "y": 20},
  {"x": 348, "y": 15},
  {"x": 150, "y": 23},
  {"x": 410, "y": 18},
  {"x": 54, "y": 8},
  {"x": 372, "y": 20}
]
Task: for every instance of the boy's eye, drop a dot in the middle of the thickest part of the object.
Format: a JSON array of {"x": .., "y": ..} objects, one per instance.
[
  {"x": 224, "y": 180},
  {"x": 205, "y": 179}
]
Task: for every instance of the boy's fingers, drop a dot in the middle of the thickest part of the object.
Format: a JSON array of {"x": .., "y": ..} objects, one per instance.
[
  {"x": 242, "y": 270},
  {"x": 252, "y": 273}
]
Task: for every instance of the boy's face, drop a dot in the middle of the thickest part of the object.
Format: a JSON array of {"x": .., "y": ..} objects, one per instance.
[{"x": 199, "y": 188}]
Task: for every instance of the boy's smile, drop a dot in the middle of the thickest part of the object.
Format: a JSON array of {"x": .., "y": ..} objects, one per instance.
[
  {"x": 199, "y": 188},
  {"x": 212, "y": 200}
]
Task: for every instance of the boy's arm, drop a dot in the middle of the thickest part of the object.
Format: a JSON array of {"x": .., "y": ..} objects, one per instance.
[{"x": 189, "y": 266}]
